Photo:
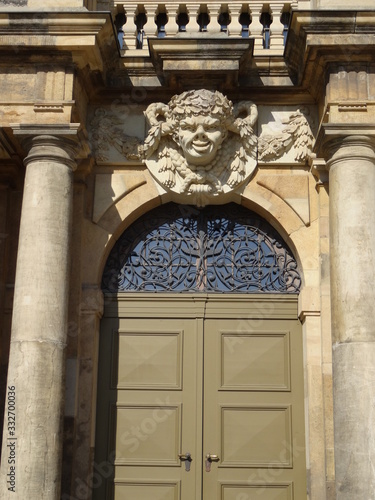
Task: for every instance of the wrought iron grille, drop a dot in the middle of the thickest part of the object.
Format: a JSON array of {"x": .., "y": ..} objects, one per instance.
[{"x": 179, "y": 248}]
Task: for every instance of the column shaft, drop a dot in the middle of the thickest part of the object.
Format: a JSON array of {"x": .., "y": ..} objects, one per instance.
[
  {"x": 36, "y": 363},
  {"x": 352, "y": 240}
]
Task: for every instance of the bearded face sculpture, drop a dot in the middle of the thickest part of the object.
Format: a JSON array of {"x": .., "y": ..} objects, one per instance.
[{"x": 199, "y": 145}]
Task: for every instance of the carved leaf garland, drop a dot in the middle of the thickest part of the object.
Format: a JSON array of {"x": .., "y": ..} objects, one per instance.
[{"x": 297, "y": 133}]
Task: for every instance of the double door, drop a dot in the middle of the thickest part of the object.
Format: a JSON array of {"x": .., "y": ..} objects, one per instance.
[{"x": 204, "y": 404}]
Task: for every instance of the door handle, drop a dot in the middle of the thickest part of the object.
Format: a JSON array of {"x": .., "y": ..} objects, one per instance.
[
  {"x": 209, "y": 459},
  {"x": 187, "y": 459}
]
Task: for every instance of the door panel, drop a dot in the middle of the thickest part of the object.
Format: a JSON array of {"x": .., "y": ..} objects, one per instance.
[
  {"x": 147, "y": 490},
  {"x": 149, "y": 360},
  {"x": 148, "y": 434},
  {"x": 271, "y": 491},
  {"x": 255, "y": 436},
  {"x": 255, "y": 361},
  {"x": 253, "y": 394}
]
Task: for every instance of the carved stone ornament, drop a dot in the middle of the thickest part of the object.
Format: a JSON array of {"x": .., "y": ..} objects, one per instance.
[
  {"x": 107, "y": 133},
  {"x": 296, "y": 133},
  {"x": 200, "y": 145}
]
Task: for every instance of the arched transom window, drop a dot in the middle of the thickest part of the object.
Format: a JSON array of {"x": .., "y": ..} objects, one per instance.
[{"x": 179, "y": 248}]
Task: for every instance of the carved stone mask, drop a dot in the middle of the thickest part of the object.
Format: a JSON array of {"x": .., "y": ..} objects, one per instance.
[
  {"x": 199, "y": 147},
  {"x": 200, "y": 137},
  {"x": 201, "y": 121}
]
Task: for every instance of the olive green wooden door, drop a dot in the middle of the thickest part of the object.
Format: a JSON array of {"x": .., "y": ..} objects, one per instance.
[
  {"x": 219, "y": 379},
  {"x": 253, "y": 412}
]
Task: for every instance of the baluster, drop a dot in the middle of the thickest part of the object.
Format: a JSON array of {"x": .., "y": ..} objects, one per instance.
[
  {"x": 256, "y": 27},
  {"x": 192, "y": 10},
  {"x": 277, "y": 28},
  {"x": 214, "y": 11},
  {"x": 172, "y": 10},
  {"x": 150, "y": 28},
  {"x": 130, "y": 29},
  {"x": 235, "y": 11}
]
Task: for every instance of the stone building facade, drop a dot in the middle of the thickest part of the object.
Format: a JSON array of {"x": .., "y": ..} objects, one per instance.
[{"x": 186, "y": 250}]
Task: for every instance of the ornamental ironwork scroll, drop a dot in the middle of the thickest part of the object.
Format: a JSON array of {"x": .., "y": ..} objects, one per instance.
[{"x": 179, "y": 248}]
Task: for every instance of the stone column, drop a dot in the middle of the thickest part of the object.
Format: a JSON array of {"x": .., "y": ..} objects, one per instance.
[
  {"x": 351, "y": 164},
  {"x": 32, "y": 443}
]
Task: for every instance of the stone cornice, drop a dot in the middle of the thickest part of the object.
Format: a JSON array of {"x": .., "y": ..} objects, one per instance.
[
  {"x": 51, "y": 23},
  {"x": 319, "y": 38},
  {"x": 89, "y": 37},
  {"x": 67, "y": 130},
  {"x": 201, "y": 58}
]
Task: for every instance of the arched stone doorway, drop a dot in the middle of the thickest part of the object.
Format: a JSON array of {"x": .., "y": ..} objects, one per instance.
[{"x": 200, "y": 392}]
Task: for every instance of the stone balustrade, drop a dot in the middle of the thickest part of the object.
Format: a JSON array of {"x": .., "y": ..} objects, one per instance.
[{"x": 267, "y": 23}]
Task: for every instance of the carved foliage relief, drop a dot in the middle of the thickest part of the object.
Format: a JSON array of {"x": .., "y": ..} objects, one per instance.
[
  {"x": 200, "y": 146},
  {"x": 107, "y": 135},
  {"x": 295, "y": 132}
]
